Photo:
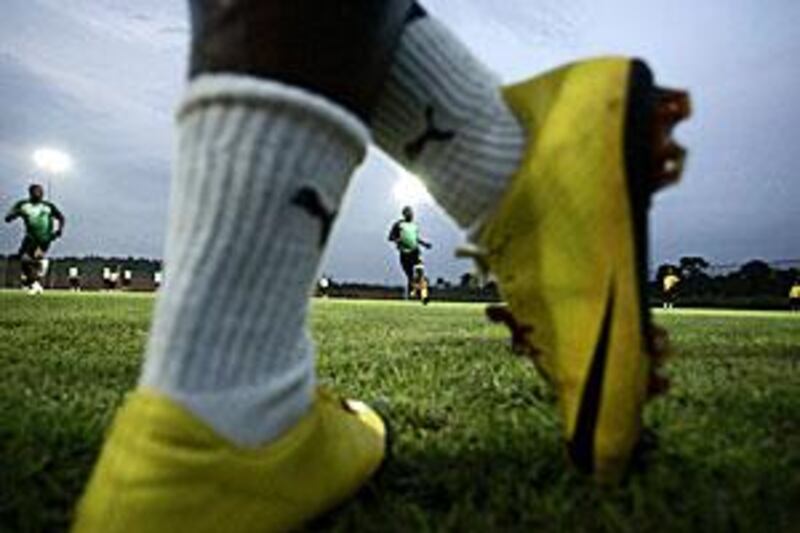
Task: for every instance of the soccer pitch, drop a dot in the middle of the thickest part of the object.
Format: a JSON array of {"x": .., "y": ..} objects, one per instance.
[{"x": 475, "y": 440}]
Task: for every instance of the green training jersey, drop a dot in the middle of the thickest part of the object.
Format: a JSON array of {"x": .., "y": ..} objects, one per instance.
[
  {"x": 38, "y": 218},
  {"x": 408, "y": 236}
]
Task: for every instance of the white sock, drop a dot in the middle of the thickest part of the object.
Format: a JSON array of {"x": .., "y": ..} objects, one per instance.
[
  {"x": 441, "y": 114},
  {"x": 261, "y": 170}
]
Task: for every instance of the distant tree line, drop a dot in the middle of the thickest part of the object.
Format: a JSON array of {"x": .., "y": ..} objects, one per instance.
[
  {"x": 467, "y": 290},
  {"x": 755, "y": 284}
]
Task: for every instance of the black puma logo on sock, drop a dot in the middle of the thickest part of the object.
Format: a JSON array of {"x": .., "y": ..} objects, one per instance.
[
  {"x": 414, "y": 148},
  {"x": 308, "y": 200}
]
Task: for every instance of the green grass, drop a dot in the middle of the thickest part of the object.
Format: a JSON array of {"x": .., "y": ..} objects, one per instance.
[{"x": 476, "y": 442}]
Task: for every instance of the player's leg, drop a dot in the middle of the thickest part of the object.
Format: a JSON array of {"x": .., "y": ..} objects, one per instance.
[
  {"x": 424, "y": 287},
  {"x": 226, "y": 431},
  {"x": 43, "y": 267},
  {"x": 25, "y": 267},
  {"x": 407, "y": 264},
  {"x": 24, "y": 263},
  {"x": 29, "y": 254},
  {"x": 28, "y": 267},
  {"x": 413, "y": 261},
  {"x": 553, "y": 176},
  {"x": 416, "y": 260},
  {"x": 415, "y": 282},
  {"x": 419, "y": 278}
]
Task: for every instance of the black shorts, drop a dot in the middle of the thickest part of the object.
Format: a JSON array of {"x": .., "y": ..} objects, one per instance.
[
  {"x": 794, "y": 303},
  {"x": 32, "y": 248},
  {"x": 408, "y": 260}
]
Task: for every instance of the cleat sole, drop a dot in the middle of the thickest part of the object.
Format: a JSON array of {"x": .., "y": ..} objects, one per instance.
[{"x": 670, "y": 107}]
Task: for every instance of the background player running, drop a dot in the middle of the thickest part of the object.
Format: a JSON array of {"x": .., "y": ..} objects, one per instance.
[
  {"x": 405, "y": 235},
  {"x": 44, "y": 223}
]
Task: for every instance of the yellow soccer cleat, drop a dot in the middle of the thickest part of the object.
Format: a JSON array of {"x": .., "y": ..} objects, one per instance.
[
  {"x": 162, "y": 470},
  {"x": 568, "y": 246}
]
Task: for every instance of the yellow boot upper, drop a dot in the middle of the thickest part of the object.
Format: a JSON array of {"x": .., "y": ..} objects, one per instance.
[
  {"x": 561, "y": 246},
  {"x": 162, "y": 469}
]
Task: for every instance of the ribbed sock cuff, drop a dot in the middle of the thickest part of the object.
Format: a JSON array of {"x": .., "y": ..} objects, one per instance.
[
  {"x": 260, "y": 172},
  {"x": 442, "y": 115}
]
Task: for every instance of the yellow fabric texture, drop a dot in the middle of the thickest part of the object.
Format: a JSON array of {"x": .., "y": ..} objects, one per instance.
[
  {"x": 561, "y": 243},
  {"x": 163, "y": 470}
]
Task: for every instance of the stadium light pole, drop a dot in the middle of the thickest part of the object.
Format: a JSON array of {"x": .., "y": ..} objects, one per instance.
[{"x": 52, "y": 162}]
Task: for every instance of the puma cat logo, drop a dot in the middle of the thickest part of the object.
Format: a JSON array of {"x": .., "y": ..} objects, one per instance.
[
  {"x": 414, "y": 148},
  {"x": 308, "y": 200}
]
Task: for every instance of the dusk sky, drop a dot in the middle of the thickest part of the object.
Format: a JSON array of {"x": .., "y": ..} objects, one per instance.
[{"x": 100, "y": 79}]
